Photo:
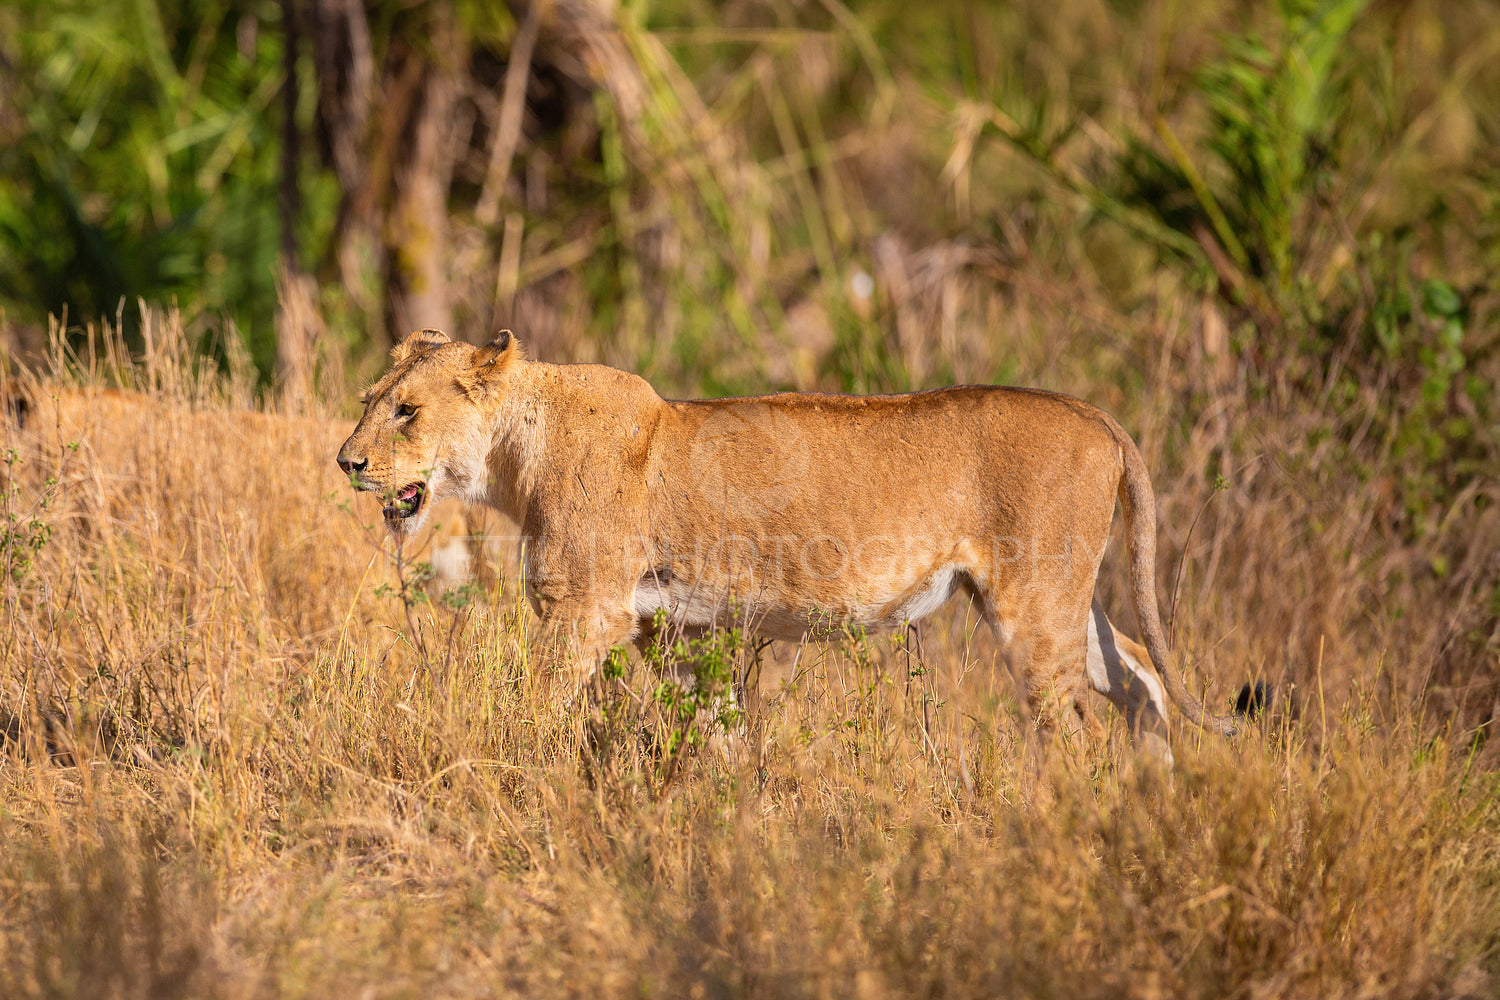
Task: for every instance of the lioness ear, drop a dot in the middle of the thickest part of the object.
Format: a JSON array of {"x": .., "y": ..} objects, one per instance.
[
  {"x": 496, "y": 350},
  {"x": 490, "y": 362},
  {"x": 417, "y": 343}
]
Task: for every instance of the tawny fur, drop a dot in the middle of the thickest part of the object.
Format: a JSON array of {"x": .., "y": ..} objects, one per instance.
[{"x": 787, "y": 514}]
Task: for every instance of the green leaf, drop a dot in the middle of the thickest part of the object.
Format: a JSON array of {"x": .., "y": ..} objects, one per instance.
[{"x": 1439, "y": 299}]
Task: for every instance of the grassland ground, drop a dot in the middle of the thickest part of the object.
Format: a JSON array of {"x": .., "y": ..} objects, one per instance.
[{"x": 238, "y": 762}]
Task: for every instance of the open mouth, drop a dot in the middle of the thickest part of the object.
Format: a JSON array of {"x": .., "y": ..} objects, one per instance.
[{"x": 406, "y": 502}]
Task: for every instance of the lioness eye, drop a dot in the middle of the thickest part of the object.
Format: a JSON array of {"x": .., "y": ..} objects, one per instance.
[{"x": 405, "y": 410}]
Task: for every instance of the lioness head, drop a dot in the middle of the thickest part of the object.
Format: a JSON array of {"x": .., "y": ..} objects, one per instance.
[{"x": 427, "y": 425}]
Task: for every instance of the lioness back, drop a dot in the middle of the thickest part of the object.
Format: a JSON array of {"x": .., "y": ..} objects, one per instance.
[{"x": 893, "y": 502}]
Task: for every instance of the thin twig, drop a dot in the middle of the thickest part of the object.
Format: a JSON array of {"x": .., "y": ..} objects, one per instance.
[{"x": 1219, "y": 486}]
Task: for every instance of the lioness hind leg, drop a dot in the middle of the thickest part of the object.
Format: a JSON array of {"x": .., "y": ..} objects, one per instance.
[
  {"x": 1089, "y": 722},
  {"x": 1043, "y": 647},
  {"x": 1048, "y": 663},
  {"x": 1116, "y": 668}
]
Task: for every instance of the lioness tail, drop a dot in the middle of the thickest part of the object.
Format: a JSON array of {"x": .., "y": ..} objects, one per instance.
[{"x": 1139, "y": 503}]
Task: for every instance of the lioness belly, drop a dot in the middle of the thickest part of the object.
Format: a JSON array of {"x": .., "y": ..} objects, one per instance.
[{"x": 779, "y": 608}]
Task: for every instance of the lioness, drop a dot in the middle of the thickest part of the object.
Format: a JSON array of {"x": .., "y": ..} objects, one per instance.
[{"x": 785, "y": 514}]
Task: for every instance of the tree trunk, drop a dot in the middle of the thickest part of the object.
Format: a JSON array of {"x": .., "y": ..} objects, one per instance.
[{"x": 417, "y": 233}]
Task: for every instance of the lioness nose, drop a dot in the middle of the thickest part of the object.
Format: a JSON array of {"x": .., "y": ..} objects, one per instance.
[{"x": 351, "y": 465}]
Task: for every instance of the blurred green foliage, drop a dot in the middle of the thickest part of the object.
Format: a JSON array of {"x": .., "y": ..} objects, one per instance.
[
  {"x": 140, "y": 158},
  {"x": 1273, "y": 105},
  {"x": 692, "y": 179}
]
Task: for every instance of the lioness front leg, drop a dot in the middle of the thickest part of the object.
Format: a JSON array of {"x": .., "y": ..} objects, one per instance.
[{"x": 579, "y": 637}]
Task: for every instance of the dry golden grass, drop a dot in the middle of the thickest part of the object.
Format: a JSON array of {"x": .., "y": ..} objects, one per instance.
[{"x": 234, "y": 767}]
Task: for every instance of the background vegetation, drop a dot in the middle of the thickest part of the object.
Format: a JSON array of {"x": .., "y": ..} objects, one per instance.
[{"x": 239, "y": 760}]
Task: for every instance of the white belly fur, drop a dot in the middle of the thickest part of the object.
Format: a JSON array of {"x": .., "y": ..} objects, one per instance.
[{"x": 699, "y": 607}]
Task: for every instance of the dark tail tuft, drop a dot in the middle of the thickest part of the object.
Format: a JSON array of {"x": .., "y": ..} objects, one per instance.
[
  {"x": 1253, "y": 700},
  {"x": 15, "y": 407}
]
